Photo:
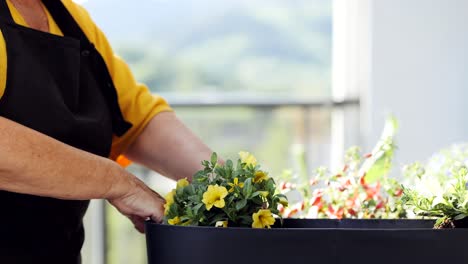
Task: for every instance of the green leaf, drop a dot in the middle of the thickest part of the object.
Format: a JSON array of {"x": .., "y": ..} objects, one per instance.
[
  {"x": 220, "y": 171},
  {"x": 247, "y": 190},
  {"x": 379, "y": 164},
  {"x": 197, "y": 208},
  {"x": 255, "y": 194},
  {"x": 270, "y": 185},
  {"x": 279, "y": 195},
  {"x": 241, "y": 204},
  {"x": 378, "y": 170},
  {"x": 180, "y": 192},
  {"x": 246, "y": 220},
  {"x": 214, "y": 159},
  {"x": 459, "y": 217}
]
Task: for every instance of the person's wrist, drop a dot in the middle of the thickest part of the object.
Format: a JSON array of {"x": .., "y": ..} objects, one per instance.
[{"x": 122, "y": 182}]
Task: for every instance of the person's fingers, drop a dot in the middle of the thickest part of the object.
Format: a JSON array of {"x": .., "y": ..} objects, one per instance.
[
  {"x": 158, "y": 215},
  {"x": 158, "y": 210},
  {"x": 141, "y": 204},
  {"x": 138, "y": 222}
]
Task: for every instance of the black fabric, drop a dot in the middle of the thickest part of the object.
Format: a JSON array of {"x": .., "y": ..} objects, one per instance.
[
  {"x": 60, "y": 87},
  {"x": 5, "y": 12},
  {"x": 70, "y": 28}
]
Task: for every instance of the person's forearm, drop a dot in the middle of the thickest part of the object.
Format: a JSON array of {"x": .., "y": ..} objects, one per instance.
[
  {"x": 167, "y": 146},
  {"x": 33, "y": 163}
]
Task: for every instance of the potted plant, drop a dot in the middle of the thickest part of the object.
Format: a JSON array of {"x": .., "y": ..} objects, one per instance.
[{"x": 222, "y": 195}]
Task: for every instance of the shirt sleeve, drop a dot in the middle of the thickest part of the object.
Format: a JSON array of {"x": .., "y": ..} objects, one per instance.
[
  {"x": 136, "y": 102},
  {"x": 3, "y": 63}
]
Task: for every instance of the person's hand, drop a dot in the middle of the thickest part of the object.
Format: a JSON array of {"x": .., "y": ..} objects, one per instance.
[{"x": 140, "y": 204}]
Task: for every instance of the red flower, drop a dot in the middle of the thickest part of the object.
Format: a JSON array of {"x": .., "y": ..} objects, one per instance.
[
  {"x": 281, "y": 208},
  {"x": 348, "y": 182},
  {"x": 352, "y": 212},
  {"x": 338, "y": 214},
  {"x": 345, "y": 168},
  {"x": 317, "y": 201},
  {"x": 372, "y": 191},
  {"x": 398, "y": 192},
  {"x": 313, "y": 182},
  {"x": 362, "y": 181},
  {"x": 380, "y": 205},
  {"x": 350, "y": 202},
  {"x": 283, "y": 186},
  {"x": 292, "y": 212}
]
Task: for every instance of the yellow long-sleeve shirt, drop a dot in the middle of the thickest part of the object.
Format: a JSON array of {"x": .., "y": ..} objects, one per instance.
[{"x": 138, "y": 105}]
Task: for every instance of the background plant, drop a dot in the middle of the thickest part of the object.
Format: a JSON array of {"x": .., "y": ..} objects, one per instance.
[
  {"x": 438, "y": 188},
  {"x": 360, "y": 189}
]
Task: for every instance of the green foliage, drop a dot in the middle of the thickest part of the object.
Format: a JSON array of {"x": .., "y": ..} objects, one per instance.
[
  {"x": 380, "y": 161},
  {"x": 438, "y": 189},
  {"x": 223, "y": 194}
]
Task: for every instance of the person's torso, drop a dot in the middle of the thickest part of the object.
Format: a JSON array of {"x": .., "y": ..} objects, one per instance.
[{"x": 60, "y": 87}]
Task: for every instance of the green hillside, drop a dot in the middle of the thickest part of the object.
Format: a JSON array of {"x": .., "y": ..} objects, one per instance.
[{"x": 189, "y": 46}]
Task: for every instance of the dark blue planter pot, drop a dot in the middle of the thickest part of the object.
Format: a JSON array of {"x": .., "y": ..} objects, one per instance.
[{"x": 304, "y": 241}]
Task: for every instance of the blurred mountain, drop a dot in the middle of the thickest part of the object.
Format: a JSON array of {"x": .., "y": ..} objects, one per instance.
[{"x": 222, "y": 44}]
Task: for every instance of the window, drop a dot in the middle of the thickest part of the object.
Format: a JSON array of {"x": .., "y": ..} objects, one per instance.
[{"x": 244, "y": 75}]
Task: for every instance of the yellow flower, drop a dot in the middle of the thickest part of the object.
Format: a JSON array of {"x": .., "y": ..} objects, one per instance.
[
  {"x": 221, "y": 224},
  {"x": 263, "y": 218},
  {"x": 169, "y": 201},
  {"x": 260, "y": 176},
  {"x": 214, "y": 196},
  {"x": 234, "y": 184},
  {"x": 247, "y": 158},
  {"x": 174, "y": 221},
  {"x": 182, "y": 183}
]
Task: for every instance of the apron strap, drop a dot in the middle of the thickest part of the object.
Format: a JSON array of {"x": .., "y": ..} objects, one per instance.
[
  {"x": 5, "y": 12},
  {"x": 70, "y": 28},
  {"x": 65, "y": 20}
]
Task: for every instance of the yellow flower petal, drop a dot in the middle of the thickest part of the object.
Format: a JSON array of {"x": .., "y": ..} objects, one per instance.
[
  {"x": 235, "y": 182},
  {"x": 169, "y": 201},
  {"x": 260, "y": 176},
  {"x": 174, "y": 221},
  {"x": 221, "y": 224},
  {"x": 247, "y": 158},
  {"x": 263, "y": 218},
  {"x": 220, "y": 203},
  {"x": 182, "y": 183},
  {"x": 214, "y": 196}
]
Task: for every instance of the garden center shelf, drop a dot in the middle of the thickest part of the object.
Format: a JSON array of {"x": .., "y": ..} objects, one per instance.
[{"x": 305, "y": 241}]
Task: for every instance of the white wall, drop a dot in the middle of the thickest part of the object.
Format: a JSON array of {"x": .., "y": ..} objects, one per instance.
[{"x": 419, "y": 72}]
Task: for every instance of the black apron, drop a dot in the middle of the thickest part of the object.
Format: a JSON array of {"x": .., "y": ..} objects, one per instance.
[{"x": 59, "y": 86}]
